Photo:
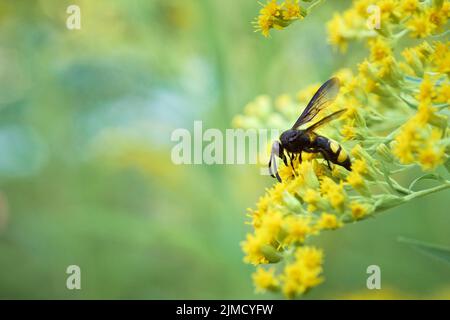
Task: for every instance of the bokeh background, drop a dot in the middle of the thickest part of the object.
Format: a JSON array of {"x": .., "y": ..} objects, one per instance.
[{"x": 85, "y": 170}]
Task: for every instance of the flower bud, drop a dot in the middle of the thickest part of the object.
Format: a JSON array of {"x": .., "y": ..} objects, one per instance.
[
  {"x": 271, "y": 254},
  {"x": 385, "y": 153}
]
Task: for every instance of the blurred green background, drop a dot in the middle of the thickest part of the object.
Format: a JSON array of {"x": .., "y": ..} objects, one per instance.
[{"x": 85, "y": 171}]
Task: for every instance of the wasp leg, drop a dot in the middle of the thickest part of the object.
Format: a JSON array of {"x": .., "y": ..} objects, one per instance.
[
  {"x": 293, "y": 157},
  {"x": 283, "y": 156},
  {"x": 327, "y": 157},
  {"x": 291, "y": 161}
]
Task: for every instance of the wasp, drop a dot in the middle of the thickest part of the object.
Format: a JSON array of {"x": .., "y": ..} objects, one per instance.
[{"x": 295, "y": 140}]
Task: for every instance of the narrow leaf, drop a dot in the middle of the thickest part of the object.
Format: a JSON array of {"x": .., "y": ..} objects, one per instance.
[
  {"x": 432, "y": 250},
  {"x": 428, "y": 176}
]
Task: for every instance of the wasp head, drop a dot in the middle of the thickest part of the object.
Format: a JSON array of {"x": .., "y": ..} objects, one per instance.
[{"x": 292, "y": 140}]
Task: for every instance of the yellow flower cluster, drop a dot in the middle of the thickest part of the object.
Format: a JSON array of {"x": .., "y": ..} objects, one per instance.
[
  {"x": 397, "y": 116},
  {"x": 301, "y": 274},
  {"x": 419, "y": 140},
  {"x": 391, "y": 18},
  {"x": 278, "y": 16}
]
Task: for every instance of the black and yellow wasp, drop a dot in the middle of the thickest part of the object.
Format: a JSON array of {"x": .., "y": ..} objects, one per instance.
[{"x": 295, "y": 141}]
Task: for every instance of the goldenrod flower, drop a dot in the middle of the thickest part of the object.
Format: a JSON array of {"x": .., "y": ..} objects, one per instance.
[
  {"x": 265, "y": 279},
  {"x": 396, "y": 121},
  {"x": 409, "y": 6},
  {"x": 252, "y": 248},
  {"x": 278, "y": 16},
  {"x": 379, "y": 49},
  {"x": 358, "y": 210},
  {"x": 355, "y": 180},
  {"x": 328, "y": 221},
  {"x": 348, "y": 131},
  {"x": 431, "y": 156},
  {"x": 291, "y": 10},
  {"x": 336, "y": 33},
  {"x": 267, "y": 16},
  {"x": 304, "y": 273},
  {"x": 441, "y": 57},
  {"x": 296, "y": 228},
  {"x": 421, "y": 26},
  {"x": 427, "y": 91}
]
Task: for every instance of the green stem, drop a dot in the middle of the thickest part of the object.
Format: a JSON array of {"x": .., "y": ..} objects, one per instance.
[
  {"x": 315, "y": 3},
  {"x": 425, "y": 192}
]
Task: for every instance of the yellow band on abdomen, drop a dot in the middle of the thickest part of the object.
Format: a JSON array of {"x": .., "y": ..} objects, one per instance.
[
  {"x": 342, "y": 156},
  {"x": 334, "y": 146}
]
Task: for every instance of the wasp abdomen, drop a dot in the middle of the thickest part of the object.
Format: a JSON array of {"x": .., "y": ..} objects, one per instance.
[{"x": 334, "y": 151}]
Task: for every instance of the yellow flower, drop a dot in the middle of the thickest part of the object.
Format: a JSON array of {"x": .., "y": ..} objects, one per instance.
[
  {"x": 336, "y": 29},
  {"x": 358, "y": 210},
  {"x": 292, "y": 10},
  {"x": 403, "y": 150},
  {"x": 360, "y": 166},
  {"x": 431, "y": 156},
  {"x": 328, "y": 221},
  {"x": 304, "y": 273},
  {"x": 379, "y": 49},
  {"x": 444, "y": 93},
  {"x": 271, "y": 223},
  {"x": 252, "y": 248},
  {"x": 441, "y": 57},
  {"x": 348, "y": 131},
  {"x": 426, "y": 90},
  {"x": 420, "y": 26},
  {"x": 309, "y": 256},
  {"x": 279, "y": 16},
  {"x": 336, "y": 197},
  {"x": 437, "y": 17},
  {"x": 297, "y": 228},
  {"x": 409, "y": 6},
  {"x": 355, "y": 180},
  {"x": 406, "y": 142},
  {"x": 387, "y": 8},
  {"x": 267, "y": 14},
  {"x": 327, "y": 184},
  {"x": 311, "y": 196},
  {"x": 265, "y": 279},
  {"x": 424, "y": 113},
  {"x": 361, "y": 7}
]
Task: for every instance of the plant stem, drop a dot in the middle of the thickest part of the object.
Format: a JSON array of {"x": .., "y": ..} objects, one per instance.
[
  {"x": 315, "y": 3},
  {"x": 425, "y": 192}
]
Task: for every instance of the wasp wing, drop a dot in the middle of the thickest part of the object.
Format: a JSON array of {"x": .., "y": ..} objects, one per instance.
[
  {"x": 321, "y": 99},
  {"x": 325, "y": 120}
]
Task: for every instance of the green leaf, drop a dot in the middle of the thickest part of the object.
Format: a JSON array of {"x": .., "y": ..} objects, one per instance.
[
  {"x": 428, "y": 176},
  {"x": 432, "y": 250}
]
